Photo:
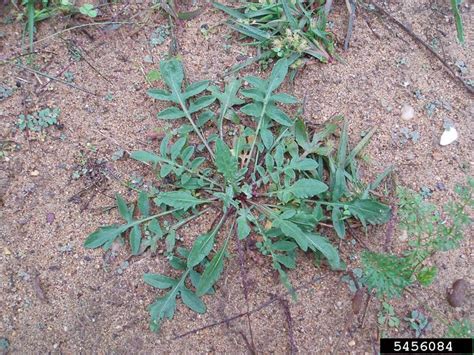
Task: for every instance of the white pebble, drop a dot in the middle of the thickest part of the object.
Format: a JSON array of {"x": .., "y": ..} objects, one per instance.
[
  {"x": 449, "y": 136},
  {"x": 408, "y": 112}
]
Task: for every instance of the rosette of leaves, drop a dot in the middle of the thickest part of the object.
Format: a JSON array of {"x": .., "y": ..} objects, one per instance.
[
  {"x": 268, "y": 180},
  {"x": 282, "y": 29}
]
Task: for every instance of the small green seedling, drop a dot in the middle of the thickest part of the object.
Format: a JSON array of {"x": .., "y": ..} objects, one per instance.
[
  {"x": 419, "y": 323},
  {"x": 38, "y": 121},
  {"x": 459, "y": 329}
]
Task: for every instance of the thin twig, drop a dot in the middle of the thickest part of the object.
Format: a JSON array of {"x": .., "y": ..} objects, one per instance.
[
  {"x": 351, "y": 7},
  {"x": 243, "y": 274},
  {"x": 424, "y": 44},
  {"x": 367, "y": 302},
  {"x": 289, "y": 321},
  {"x": 391, "y": 228},
  {"x": 56, "y": 79},
  {"x": 257, "y": 309}
]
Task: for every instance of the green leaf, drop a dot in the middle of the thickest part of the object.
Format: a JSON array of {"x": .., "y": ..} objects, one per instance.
[
  {"x": 227, "y": 99},
  {"x": 284, "y": 245},
  {"x": 267, "y": 138},
  {"x": 230, "y": 11},
  {"x": 151, "y": 76},
  {"x": 243, "y": 229},
  {"x": 88, "y": 10},
  {"x": 253, "y": 93},
  {"x": 289, "y": 16},
  {"x": 135, "y": 239},
  {"x": 458, "y": 20},
  {"x": 161, "y": 308},
  {"x": 200, "y": 103},
  {"x": 250, "y": 31},
  {"x": 301, "y": 135},
  {"x": 143, "y": 205},
  {"x": 212, "y": 272},
  {"x": 159, "y": 281},
  {"x": 371, "y": 211},
  {"x": 159, "y": 94},
  {"x": 123, "y": 208},
  {"x": 321, "y": 244},
  {"x": 195, "y": 88},
  {"x": 172, "y": 73},
  {"x": 291, "y": 230},
  {"x": 279, "y": 71},
  {"x": 192, "y": 301},
  {"x": 104, "y": 236},
  {"x": 278, "y": 115},
  {"x": 285, "y": 260},
  {"x": 284, "y": 98},
  {"x": 201, "y": 248},
  {"x": 171, "y": 113},
  {"x": 388, "y": 274},
  {"x": 177, "y": 147},
  {"x": 254, "y": 109},
  {"x": 303, "y": 164},
  {"x": 305, "y": 188},
  {"x": 145, "y": 157},
  {"x": 178, "y": 199},
  {"x": 338, "y": 222},
  {"x": 427, "y": 275},
  {"x": 226, "y": 162}
]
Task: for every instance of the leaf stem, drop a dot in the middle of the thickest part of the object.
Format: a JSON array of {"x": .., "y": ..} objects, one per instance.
[
  {"x": 171, "y": 162},
  {"x": 259, "y": 127}
]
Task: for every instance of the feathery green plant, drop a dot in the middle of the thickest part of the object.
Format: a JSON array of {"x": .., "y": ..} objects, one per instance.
[{"x": 430, "y": 231}]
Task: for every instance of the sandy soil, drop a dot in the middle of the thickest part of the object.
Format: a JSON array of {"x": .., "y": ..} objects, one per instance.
[{"x": 57, "y": 297}]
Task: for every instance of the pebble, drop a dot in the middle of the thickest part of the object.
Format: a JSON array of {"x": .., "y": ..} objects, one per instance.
[
  {"x": 351, "y": 343},
  {"x": 449, "y": 136},
  {"x": 50, "y": 217},
  {"x": 457, "y": 294},
  {"x": 35, "y": 173},
  {"x": 403, "y": 235},
  {"x": 7, "y": 251},
  {"x": 407, "y": 112}
]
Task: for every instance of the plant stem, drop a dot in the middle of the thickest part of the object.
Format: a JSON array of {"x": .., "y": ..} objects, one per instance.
[
  {"x": 171, "y": 162},
  {"x": 178, "y": 225},
  {"x": 259, "y": 127},
  {"x": 31, "y": 22},
  {"x": 190, "y": 119}
]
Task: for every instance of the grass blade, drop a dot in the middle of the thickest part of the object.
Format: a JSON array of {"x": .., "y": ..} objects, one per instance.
[{"x": 458, "y": 20}]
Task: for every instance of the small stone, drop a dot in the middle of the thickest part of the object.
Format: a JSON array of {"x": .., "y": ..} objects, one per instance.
[
  {"x": 407, "y": 112},
  {"x": 351, "y": 343},
  {"x": 457, "y": 294},
  {"x": 404, "y": 236},
  {"x": 7, "y": 251},
  {"x": 35, "y": 173},
  {"x": 449, "y": 136},
  {"x": 50, "y": 217}
]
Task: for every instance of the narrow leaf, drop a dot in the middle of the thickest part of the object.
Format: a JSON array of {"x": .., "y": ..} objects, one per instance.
[
  {"x": 159, "y": 281},
  {"x": 212, "y": 272},
  {"x": 192, "y": 301},
  {"x": 226, "y": 162}
]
